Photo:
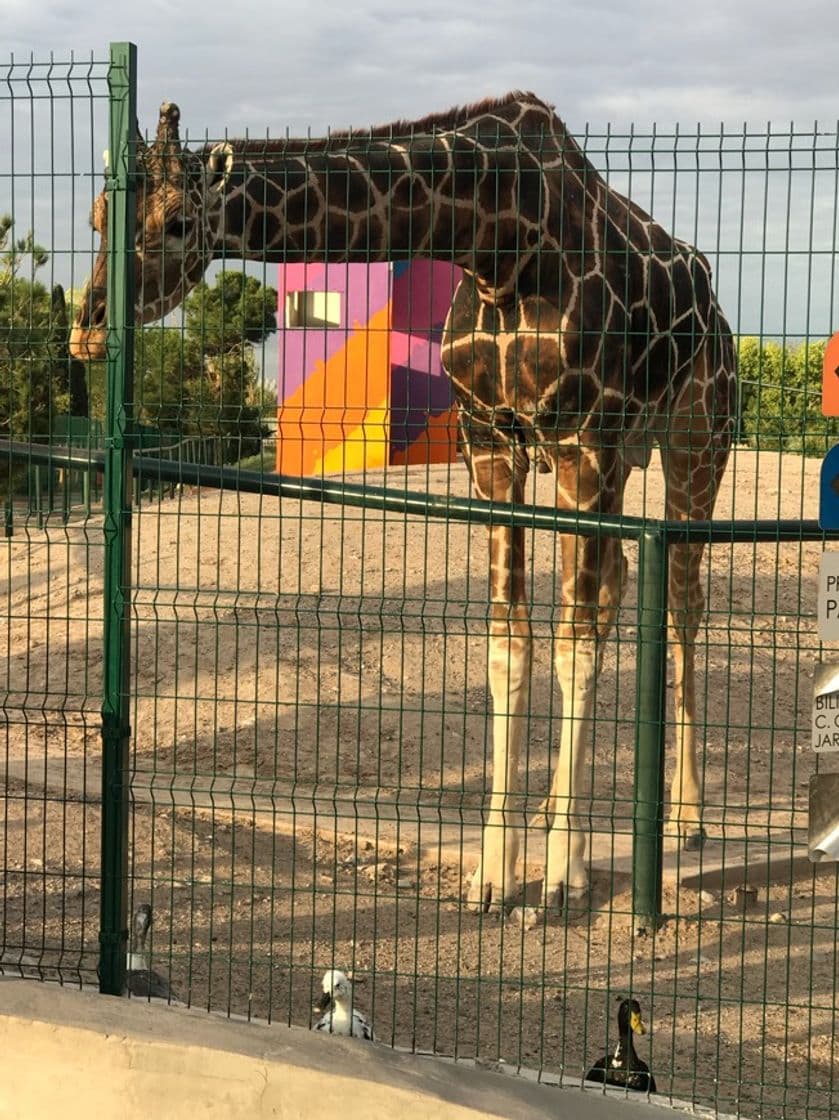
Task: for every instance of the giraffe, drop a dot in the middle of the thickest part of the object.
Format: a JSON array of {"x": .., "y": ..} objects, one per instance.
[{"x": 581, "y": 336}]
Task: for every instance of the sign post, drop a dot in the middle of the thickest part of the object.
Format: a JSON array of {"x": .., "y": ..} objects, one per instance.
[
  {"x": 824, "y": 787},
  {"x": 829, "y": 488},
  {"x": 830, "y": 378}
]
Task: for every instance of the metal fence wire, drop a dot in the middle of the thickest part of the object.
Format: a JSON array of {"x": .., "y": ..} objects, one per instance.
[{"x": 279, "y": 666}]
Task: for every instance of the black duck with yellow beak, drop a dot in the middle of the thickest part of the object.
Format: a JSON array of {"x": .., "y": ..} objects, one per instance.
[{"x": 622, "y": 1067}]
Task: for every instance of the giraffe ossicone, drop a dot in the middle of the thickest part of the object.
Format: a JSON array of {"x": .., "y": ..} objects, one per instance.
[{"x": 582, "y": 336}]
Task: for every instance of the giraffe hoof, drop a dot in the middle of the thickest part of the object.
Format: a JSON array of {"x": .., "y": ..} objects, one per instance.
[
  {"x": 695, "y": 841},
  {"x": 484, "y": 898},
  {"x": 553, "y": 900},
  {"x": 479, "y": 902},
  {"x": 565, "y": 900}
]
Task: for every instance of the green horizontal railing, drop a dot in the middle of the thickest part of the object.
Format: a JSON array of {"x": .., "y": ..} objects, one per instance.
[{"x": 419, "y": 504}]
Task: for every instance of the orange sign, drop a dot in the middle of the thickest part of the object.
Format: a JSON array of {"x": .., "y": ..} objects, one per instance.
[{"x": 830, "y": 378}]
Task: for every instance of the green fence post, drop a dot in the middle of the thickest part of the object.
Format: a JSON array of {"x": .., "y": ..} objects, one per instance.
[
  {"x": 113, "y": 932},
  {"x": 648, "y": 814}
]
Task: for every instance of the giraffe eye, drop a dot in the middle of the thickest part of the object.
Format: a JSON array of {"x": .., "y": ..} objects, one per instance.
[{"x": 175, "y": 228}]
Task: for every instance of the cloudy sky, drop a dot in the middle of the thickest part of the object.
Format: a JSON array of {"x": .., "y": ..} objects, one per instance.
[
  {"x": 276, "y": 65},
  {"x": 258, "y": 63}
]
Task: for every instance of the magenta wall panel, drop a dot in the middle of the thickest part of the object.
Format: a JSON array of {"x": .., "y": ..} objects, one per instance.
[{"x": 408, "y": 301}]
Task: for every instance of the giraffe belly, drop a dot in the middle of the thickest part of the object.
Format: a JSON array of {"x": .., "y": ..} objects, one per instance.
[{"x": 637, "y": 449}]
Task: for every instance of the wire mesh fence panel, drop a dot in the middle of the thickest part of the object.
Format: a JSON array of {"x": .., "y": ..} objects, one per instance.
[
  {"x": 378, "y": 724},
  {"x": 51, "y": 115}
]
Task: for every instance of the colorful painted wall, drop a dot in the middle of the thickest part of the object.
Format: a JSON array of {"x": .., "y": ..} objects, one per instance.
[{"x": 360, "y": 384}]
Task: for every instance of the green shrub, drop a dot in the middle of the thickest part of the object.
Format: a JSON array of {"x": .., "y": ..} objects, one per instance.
[{"x": 780, "y": 397}]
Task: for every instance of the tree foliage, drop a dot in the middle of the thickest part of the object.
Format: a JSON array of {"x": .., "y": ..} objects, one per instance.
[
  {"x": 199, "y": 379},
  {"x": 237, "y": 310},
  {"x": 203, "y": 379},
  {"x": 38, "y": 379},
  {"x": 780, "y": 397}
]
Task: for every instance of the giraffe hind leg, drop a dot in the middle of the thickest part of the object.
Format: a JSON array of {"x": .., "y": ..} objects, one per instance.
[
  {"x": 686, "y": 597},
  {"x": 694, "y": 459}
]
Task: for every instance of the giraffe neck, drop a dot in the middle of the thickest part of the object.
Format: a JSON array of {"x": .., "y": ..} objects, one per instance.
[
  {"x": 361, "y": 206},
  {"x": 474, "y": 195}
]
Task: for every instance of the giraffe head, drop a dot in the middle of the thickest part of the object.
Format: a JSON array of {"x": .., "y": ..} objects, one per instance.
[{"x": 179, "y": 211}]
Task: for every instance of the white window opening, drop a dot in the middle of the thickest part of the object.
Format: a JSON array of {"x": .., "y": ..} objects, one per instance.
[{"x": 313, "y": 309}]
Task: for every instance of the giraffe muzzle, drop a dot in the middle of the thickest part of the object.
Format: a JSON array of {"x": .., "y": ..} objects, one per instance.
[
  {"x": 89, "y": 333},
  {"x": 87, "y": 345}
]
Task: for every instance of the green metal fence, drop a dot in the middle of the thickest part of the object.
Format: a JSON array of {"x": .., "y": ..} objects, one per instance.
[{"x": 262, "y": 707}]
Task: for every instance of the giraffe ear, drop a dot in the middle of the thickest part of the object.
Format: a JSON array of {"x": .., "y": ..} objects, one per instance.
[{"x": 219, "y": 166}]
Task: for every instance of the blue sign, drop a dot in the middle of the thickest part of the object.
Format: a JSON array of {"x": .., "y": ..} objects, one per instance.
[{"x": 829, "y": 490}]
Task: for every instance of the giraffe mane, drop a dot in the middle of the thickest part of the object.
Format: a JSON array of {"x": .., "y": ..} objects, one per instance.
[
  {"x": 400, "y": 129},
  {"x": 459, "y": 115}
]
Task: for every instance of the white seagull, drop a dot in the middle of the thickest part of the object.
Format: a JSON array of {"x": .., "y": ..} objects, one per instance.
[{"x": 340, "y": 1017}]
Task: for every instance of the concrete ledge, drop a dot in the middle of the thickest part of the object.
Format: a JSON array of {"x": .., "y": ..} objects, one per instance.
[{"x": 77, "y": 1054}]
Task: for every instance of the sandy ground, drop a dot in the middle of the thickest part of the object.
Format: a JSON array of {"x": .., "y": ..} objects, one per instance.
[{"x": 331, "y": 650}]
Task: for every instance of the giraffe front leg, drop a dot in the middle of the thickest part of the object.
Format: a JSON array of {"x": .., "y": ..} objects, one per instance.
[
  {"x": 592, "y": 589},
  {"x": 494, "y": 879},
  {"x": 498, "y": 473},
  {"x": 565, "y": 859}
]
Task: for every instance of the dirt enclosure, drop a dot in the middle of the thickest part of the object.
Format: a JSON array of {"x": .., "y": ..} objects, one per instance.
[{"x": 310, "y": 748}]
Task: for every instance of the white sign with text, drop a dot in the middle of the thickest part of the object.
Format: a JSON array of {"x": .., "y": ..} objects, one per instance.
[
  {"x": 826, "y": 707},
  {"x": 829, "y": 597}
]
